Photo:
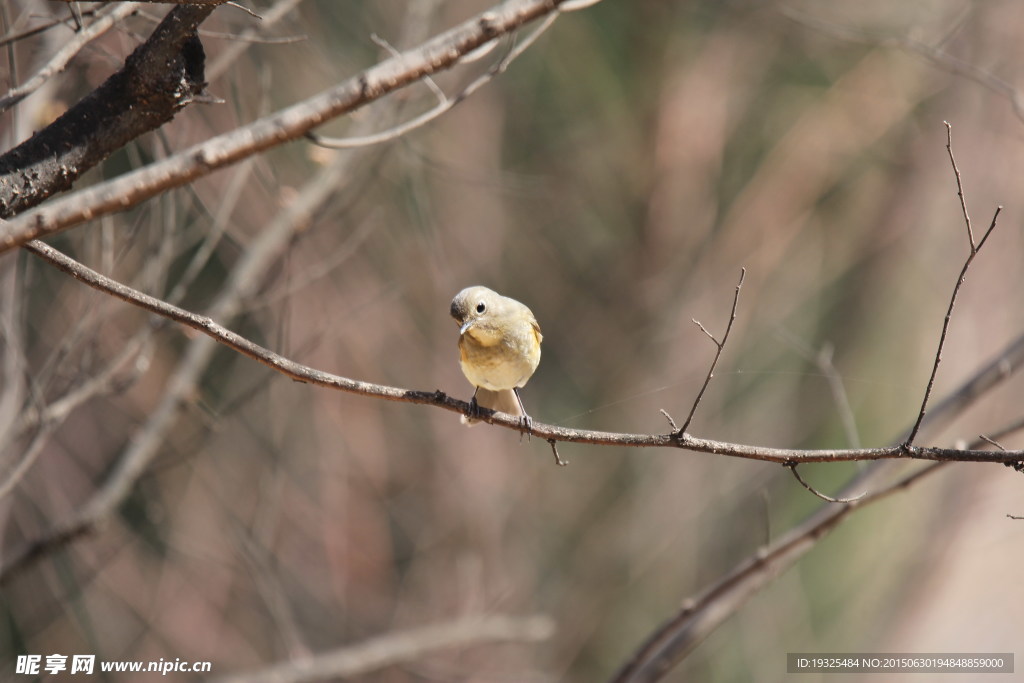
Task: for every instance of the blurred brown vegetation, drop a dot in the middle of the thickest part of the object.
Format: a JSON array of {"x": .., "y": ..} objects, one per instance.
[{"x": 615, "y": 179}]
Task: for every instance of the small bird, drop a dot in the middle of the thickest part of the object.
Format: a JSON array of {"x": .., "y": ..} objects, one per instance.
[{"x": 499, "y": 349}]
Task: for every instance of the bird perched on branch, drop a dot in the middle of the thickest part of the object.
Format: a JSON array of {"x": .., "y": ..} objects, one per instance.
[{"x": 499, "y": 349}]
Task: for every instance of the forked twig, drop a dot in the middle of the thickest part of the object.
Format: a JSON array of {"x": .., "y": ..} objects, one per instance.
[
  {"x": 975, "y": 248},
  {"x": 444, "y": 103},
  {"x": 718, "y": 353},
  {"x": 106, "y": 18}
]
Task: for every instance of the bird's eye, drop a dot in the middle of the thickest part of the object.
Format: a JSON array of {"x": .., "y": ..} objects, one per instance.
[{"x": 481, "y": 307}]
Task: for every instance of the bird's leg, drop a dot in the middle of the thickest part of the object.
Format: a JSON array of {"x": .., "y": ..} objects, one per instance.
[
  {"x": 474, "y": 407},
  {"x": 526, "y": 420}
]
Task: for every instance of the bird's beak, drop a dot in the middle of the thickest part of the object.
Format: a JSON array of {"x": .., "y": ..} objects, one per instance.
[{"x": 465, "y": 326}]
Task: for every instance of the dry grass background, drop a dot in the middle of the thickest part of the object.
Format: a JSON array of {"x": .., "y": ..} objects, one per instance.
[{"x": 615, "y": 179}]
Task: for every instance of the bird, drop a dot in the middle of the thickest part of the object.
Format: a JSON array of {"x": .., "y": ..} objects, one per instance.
[{"x": 499, "y": 349}]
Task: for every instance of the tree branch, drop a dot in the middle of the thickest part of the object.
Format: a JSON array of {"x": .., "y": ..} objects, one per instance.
[
  {"x": 158, "y": 79},
  {"x": 718, "y": 354},
  {"x": 444, "y": 103},
  {"x": 105, "y": 19},
  {"x": 791, "y": 466},
  {"x": 401, "y": 646},
  {"x": 304, "y": 373},
  {"x": 435, "y": 55},
  {"x": 674, "y": 639},
  {"x": 974, "y": 249}
]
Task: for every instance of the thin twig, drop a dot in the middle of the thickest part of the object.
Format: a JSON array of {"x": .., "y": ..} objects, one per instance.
[
  {"x": 959, "y": 186},
  {"x": 1016, "y": 466},
  {"x": 242, "y": 42},
  {"x": 991, "y": 441},
  {"x": 554, "y": 451},
  {"x": 930, "y": 53},
  {"x": 106, "y": 18},
  {"x": 791, "y": 466},
  {"x": 427, "y": 80},
  {"x": 991, "y": 227},
  {"x": 718, "y": 353},
  {"x": 945, "y": 329},
  {"x": 952, "y": 300},
  {"x": 107, "y": 380},
  {"x": 236, "y": 5},
  {"x": 444, "y": 103},
  {"x": 9, "y": 38}
]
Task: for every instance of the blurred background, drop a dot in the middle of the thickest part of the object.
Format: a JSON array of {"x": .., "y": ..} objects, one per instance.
[{"x": 615, "y": 179}]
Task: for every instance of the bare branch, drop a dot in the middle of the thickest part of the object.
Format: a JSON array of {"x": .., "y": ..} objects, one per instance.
[
  {"x": 401, "y": 646},
  {"x": 444, "y": 104},
  {"x": 991, "y": 441},
  {"x": 718, "y": 353},
  {"x": 162, "y": 76},
  {"x": 129, "y": 190},
  {"x": 952, "y": 300},
  {"x": 10, "y": 38},
  {"x": 148, "y": 439},
  {"x": 959, "y": 186},
  {"x": 105, "y": 19},
  {"x": 679, "y": 635},
  {"x": 303, "y": 373},
  {"x": 791, "y": 466},
  {"x": 930, "y": 53},
  {"x": 46, "y": 418},
  {"x": 227, "y": 57},
  {"x": 674, "y": 639},
  {"x": 554, "y": 452},
  {"x": 991, "y": 227}
]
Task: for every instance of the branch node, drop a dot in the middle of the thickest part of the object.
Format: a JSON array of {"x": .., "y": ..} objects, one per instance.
[{"x": 705, "y": 331}]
